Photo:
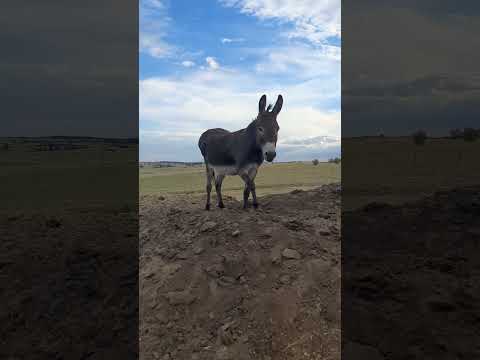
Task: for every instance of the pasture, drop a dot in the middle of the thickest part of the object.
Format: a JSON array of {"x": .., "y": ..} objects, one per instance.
[
  {"x": 271, "y": 179},
  {"x": 395, "y": 170},
  {"x": 96, "y": 174}
]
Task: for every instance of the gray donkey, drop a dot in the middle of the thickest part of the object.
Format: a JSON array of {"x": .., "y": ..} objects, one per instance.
[{"x": 241, "y": 152}]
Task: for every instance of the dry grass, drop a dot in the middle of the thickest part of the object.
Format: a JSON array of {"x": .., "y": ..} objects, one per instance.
[{"x": 271, "y": 178}]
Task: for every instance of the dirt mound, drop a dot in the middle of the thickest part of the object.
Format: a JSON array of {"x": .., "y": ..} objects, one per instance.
[
  {"x": 67, "y": 280},
  {"x": 411, "y": 278},
  {"x": 236, "y": 284}
]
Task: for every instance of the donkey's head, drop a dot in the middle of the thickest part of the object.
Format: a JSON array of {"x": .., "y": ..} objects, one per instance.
[{"x": 267, "y": 127}]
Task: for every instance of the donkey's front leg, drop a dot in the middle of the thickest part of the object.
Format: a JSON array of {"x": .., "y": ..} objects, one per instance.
[
  {"x": 246, "y": 191},
  {"x": 246, "y": 194}
]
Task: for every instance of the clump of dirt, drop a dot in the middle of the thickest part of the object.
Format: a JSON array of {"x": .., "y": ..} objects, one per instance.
[{"x": 241, "y": 284}]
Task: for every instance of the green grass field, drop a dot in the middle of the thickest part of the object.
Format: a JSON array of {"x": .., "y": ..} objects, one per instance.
[
  {"x": 271, "y": 178},
  {"x": 395, "y": 170},
  {"x": 97, "y": 176},
  {"x": 391, "y": 170}
]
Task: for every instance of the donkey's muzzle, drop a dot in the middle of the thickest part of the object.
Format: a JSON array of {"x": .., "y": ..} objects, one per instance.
[{"x": 270, "y": 155}]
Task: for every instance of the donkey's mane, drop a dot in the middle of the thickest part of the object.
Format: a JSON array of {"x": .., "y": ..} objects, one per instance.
[{"x": 270, "y": 106}]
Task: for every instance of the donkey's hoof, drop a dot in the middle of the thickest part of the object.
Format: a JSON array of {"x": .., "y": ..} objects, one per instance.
[
  {"x": 207, "y": 207},
  {"x": 255, "y": 205},
  {"x": 221, "y": 205}
]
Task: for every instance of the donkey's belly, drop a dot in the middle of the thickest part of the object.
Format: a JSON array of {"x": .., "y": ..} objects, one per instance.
[
  {"x": 249, "y": 170},
  {"x": 224, "y": 170}
]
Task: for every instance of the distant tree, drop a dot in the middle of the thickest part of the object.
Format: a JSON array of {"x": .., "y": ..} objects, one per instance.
[
  {"x": 419, "y": 137},
  {"x": 315, "y": 162},
  {"x": 470, "y": 134},
  {"x": 336, "y": 160},
  {"x": 456, "y": 133}
]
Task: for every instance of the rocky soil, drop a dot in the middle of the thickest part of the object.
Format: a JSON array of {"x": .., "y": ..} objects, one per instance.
[
  {"x": 236, "y": 284},
  {"x": 66, "y": 283},
  {"x": 411, "y": 279}
]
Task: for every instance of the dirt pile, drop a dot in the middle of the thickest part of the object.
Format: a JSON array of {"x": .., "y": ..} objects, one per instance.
[
  {"x": 67, "y": 280},
  {"x": 236, "y": 284}
]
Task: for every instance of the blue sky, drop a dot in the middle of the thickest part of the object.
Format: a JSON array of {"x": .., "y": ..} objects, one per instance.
[{"x": 205, "y": 64}]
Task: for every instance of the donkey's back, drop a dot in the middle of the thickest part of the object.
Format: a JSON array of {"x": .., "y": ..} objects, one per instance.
[{"x": 218, "y": 147}]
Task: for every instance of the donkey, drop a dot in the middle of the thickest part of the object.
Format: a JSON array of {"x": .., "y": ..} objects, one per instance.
[{"x": 241, "y": 152}]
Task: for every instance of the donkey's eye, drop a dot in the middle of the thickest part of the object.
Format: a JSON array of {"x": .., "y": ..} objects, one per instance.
[{"x": 261, "y": 129}]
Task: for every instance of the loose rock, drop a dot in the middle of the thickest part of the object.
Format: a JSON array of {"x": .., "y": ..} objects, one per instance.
[
  {"x": 182, "y": 256},
  {"x": 267, "y": 233},
  {"x": 276, "y": 255},
  {"x": 225, "y": 281},
  {"x": 225, "y": 334},
  {"x": 180, "y": 298},
  {"x": 291, "y": 254},
  {"x": 209, "y": 225},
  {"x": 198, "y": 250}
]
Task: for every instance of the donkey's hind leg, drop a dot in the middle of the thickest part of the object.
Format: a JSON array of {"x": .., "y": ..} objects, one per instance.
[
  {"x": 254, "y": 194},
  {"x": 209, "y": 185},
  {"x": 218, "y": 188}
]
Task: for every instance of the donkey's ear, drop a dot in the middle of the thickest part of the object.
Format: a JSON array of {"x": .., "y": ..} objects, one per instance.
[
  {"x": 262, "y": 103},
  {"x": 278, "y": 105}
]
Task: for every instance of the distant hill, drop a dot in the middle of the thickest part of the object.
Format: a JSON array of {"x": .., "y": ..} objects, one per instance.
[
  {"x": 168, "y": 163},
  {"x": 185, "y": 164}
]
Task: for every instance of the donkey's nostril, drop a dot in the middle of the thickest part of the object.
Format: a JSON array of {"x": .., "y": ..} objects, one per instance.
[{"x": 270, "y": 155}]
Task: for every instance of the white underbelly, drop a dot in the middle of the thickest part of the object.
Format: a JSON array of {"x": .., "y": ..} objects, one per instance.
[
  {"x": 224, "y": 170},
  {"x": 249, "y": 169}
]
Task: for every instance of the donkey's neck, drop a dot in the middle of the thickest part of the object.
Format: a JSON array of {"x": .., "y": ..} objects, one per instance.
[
  {"x": 251, "y": 150},
  {"x": 251, "y": 135}
]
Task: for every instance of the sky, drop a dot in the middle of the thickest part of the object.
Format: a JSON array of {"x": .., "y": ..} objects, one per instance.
[
  {"x": 69, "y": 71},
  {"x": 410, "y": 65},
  {"x": 205, "y": 64}
]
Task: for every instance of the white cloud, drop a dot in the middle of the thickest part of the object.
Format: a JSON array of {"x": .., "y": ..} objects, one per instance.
[
  {"x": 212, "y": 63},
  {"x": 180, "y": 109},
  {"x": 155, "y": 46},
  {"x": 301, "y": 61},
  {"x": 154, "y": 23},
  {"x": 228, "y": 40},
  {"x": 314, "y": 20},
  {"x": 153, "y": 4},
  {"x": 188, "y": 63}
]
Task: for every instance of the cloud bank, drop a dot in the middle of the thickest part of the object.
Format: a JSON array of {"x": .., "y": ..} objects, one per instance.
[{"x": 299, "y": 63}]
